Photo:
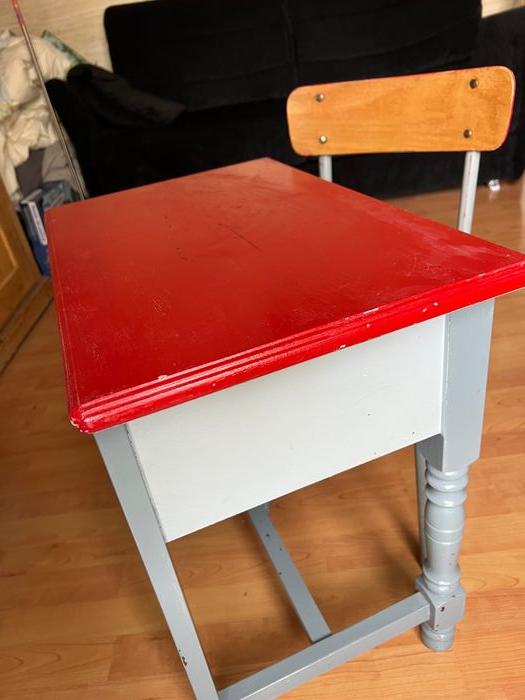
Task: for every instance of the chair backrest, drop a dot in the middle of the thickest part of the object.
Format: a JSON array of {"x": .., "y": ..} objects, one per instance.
[{"x": 462, "y": 110}]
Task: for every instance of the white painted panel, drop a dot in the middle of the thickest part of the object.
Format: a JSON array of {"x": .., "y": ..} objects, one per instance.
[{"x": 222, "y": 454}]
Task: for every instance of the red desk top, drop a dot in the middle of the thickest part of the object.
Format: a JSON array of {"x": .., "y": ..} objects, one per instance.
[{"x": 171, "y": 291}]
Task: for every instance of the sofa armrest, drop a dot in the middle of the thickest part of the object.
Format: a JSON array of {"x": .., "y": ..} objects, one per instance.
[{"x": 80, "y": 126}]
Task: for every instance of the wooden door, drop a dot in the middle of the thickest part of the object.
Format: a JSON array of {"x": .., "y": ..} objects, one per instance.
[{"x": 24, "y": 293}]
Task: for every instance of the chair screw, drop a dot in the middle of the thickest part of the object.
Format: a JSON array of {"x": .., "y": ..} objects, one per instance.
[
  {"x": 467, "y": 133},
  {"x": 323, "y": 139},
  {"x": 474, "y": 83},
  {"x": 319, "y": 97}
]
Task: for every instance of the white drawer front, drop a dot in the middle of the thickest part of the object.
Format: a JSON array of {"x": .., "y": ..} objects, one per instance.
[{"x": 222, "y": 454}]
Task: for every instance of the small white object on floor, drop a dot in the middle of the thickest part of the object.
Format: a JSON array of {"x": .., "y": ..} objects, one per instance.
[{"x": 494, "y": 185}]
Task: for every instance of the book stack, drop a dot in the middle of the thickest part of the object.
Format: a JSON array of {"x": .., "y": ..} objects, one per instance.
[{"x": 32, "y": 209}]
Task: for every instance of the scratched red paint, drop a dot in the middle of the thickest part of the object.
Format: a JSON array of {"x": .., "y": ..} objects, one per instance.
[{"x": 175, "y": 290}]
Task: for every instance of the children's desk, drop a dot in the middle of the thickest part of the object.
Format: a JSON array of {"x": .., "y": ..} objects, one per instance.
[{"x": 235, "y": 335}]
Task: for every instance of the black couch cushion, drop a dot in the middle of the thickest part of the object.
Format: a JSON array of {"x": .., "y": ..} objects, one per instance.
[
  {"x": 203, "y": 53},
  {"x": 348, "y": 40},
  {"x": 114, "y": 158},
  {"x": 116, "y": 102},
  {"x": 207, "y": 53},
  {"x": 502, "y": 41}
]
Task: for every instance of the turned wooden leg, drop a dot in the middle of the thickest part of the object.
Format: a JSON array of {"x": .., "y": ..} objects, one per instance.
[
  {"x": 443, "y": 531},
  {"x": 446, "y": 456}
]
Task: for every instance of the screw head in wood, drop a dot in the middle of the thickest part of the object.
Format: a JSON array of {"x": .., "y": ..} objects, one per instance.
[
  {"x": 467, "y": 133},
  {"x": 323, "y": 139},
  {"x": 474, "y": 83},
  {"x": 319, "y": 97}
]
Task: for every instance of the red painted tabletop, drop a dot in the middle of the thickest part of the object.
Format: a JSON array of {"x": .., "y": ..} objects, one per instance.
[{"x": 174, "y": 290}]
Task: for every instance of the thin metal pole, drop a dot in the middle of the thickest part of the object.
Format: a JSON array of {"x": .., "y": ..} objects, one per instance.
[
  {"x": 325, "y": 168},
  {"x": 79, "y": 184},
  {"x": 468, "y": 191}
]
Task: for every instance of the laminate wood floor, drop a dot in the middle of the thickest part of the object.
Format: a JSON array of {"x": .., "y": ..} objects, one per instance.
[{"x": 79, "y": 621}]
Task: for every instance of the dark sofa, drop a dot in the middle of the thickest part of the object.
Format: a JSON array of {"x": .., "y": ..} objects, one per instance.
[{"x": 232, "y": 63}]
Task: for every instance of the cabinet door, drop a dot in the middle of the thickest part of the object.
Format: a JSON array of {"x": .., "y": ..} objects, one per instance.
[{"x": 24, "y": 293}]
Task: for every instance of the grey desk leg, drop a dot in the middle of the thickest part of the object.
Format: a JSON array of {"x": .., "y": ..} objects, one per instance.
[
  {"x": 448, "y": 456},
  {"x": 444, "y": 524},
  {"x": 125, "y": 473},
  {"x": 300, "y": 597},
  {"x": 421, "y": 468}
]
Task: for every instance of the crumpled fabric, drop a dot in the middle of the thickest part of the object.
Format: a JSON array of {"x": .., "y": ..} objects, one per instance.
[{"x": 25, "y": 122}]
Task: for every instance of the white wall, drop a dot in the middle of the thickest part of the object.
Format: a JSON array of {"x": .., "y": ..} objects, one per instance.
[
  {"x": 77, "y": 22},
  {"x": 490, "y": 7}
]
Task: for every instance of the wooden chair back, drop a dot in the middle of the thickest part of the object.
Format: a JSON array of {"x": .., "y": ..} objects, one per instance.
[
  {"x": 460, "y": 110},
  {"x": 465, "y": 110}
]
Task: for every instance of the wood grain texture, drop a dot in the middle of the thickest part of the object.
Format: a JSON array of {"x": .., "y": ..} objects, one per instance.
[
  {"x": 24, "y": 293},
  {"x": 18, "y": 270},
  {"x": 430, "y": 112},
  {"x": 79, "y": 620},
  {"x": 28, "y": 312}
]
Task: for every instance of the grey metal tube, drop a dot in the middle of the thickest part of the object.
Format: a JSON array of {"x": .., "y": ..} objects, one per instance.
[
  {"x": 468, "y": 191},
  {"x": 325, "y": 168}
]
